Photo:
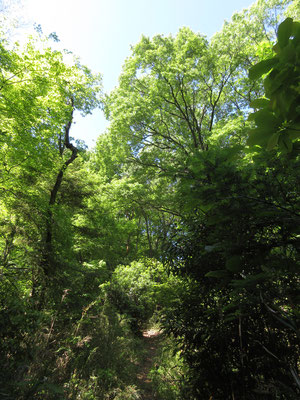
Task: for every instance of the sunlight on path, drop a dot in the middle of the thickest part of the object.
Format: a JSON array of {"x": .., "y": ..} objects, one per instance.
[{"x": 151, "y": 339}]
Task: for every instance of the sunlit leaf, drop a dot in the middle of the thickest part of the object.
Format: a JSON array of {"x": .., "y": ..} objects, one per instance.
[
  {"x": 284, "y": 32},
  {"x": 261, "y": 68}
]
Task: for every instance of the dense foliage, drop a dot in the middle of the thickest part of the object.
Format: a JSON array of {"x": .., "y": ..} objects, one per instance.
[{"x": 185, "y": 214}]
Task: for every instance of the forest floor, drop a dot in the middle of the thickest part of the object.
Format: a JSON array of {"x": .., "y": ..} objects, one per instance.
[{"x": 151, "y": 339}]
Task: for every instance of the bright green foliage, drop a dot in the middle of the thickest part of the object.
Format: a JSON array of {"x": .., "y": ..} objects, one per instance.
[
  {"x": 172, "y": 91},
  {"x": 136, "y": 202},
  {"x": 278, "y": 117},
  {"x": 172, "y": 218},
  {"x": 176, "y": 99},
  {"x": 168, "y": 372},
  {"x": 39, "y": 94},
  {"x": 293, "y": 10},
  {"x": 141, "y": 288},
  {"x": 179, "y": 118}
]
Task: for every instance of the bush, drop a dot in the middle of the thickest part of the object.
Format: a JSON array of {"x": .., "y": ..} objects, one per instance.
[{"x": 141, "y": 288}]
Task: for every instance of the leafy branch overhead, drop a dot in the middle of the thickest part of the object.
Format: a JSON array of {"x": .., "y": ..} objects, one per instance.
[
  {"x": 277, "y": 117},
  {"x": 170, "y": 221}
]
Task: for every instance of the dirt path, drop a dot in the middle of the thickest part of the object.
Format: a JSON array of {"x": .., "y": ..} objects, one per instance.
[{"x": 151, "y": 339}]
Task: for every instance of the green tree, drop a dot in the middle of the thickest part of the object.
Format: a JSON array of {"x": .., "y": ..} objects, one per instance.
[
  {"x": 179, "y": 117},
  {"x": 39, "y": 94},
  {"x": 278, "y": 117},
  {"x": 239, "y": 245},
  {"x": 176, "y": 98}
]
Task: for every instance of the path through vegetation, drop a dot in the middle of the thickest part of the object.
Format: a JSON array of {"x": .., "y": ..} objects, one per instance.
[{"x": 151, "y": 340}]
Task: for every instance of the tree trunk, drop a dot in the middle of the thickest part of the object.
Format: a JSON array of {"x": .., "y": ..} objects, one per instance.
[{"x": 47, "y": 264}]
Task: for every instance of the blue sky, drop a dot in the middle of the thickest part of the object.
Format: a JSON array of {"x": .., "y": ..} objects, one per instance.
[{"x": 101, "y": 32}]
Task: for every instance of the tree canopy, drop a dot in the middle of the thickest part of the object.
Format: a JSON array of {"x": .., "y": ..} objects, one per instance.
[{"x": 186, "y": 214}]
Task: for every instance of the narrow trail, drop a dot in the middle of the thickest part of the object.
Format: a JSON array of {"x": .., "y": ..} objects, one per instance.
[{"x": 151, "y": 340}]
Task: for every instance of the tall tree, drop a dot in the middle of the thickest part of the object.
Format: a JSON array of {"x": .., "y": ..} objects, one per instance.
[
  {"x": 39, "y": 94},
  {"x": 179, "y": 117}
]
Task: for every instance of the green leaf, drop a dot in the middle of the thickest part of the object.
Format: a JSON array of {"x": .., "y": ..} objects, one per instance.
[
  {"x": 272, "y": 142},
  {"x": 276, "y": 48},
  {"x": 231, "y": 317},
  {"x": 221, "y": 273},
  {"x": 284, "y": 32},
  {"x": 251, "y": 117},
  {"x": 259, "y": 103},
  {"x": 233, "y": 264},
  {"x": 52, "y": 388},
  {"x": 285, "y": 143},
  {"x": 257, "y": 137},
  {"x": 294, "y": 131},
  {"x": 261, "y": 68},
  {"x": 250, "y": 281},
  {"x": 296, "y": 32},
  {"x": 265, "y": 119},
  {"x": 288, "y": 56},
  {"x": 287, "y": 322}
]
